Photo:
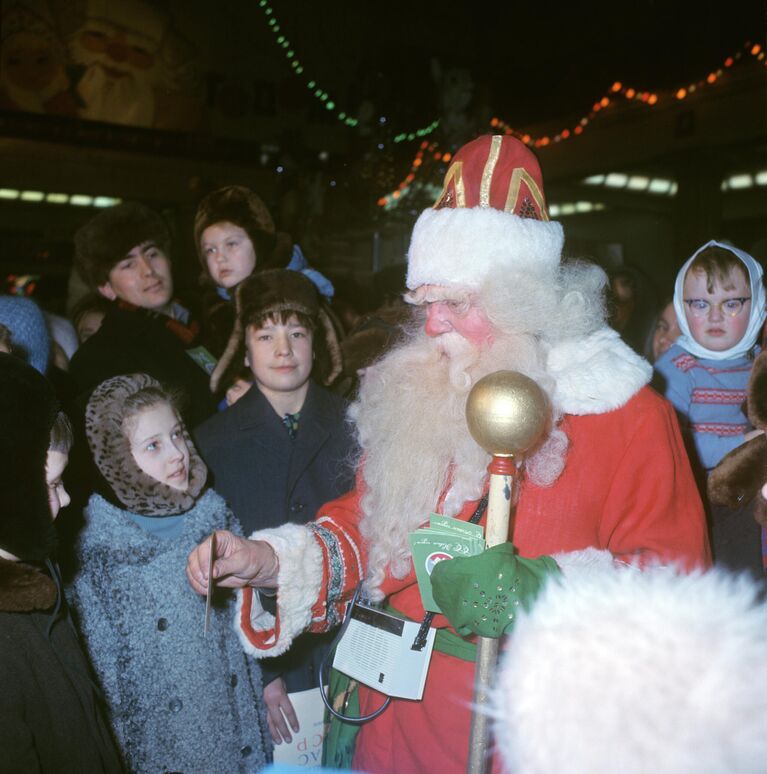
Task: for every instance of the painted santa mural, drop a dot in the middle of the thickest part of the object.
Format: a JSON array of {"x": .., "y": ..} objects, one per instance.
[
  {"x": 118, "y": 62},
  {"x": 33, "y": 72},
  {"x": 135, "y": 69}
]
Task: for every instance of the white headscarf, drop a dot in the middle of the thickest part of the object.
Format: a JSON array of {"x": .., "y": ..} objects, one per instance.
[{"x": 756, "y": 317}]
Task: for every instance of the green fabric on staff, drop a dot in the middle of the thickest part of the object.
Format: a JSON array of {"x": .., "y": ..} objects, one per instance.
[
  {"x": 483, "y": 594},
  {"x": 340, "y": 736}
]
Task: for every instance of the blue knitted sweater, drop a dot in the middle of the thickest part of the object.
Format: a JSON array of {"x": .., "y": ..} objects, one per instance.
[{"x": 708, "y": 395}]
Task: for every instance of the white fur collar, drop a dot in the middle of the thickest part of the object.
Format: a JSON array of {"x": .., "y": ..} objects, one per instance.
[{"x": 596, "y": 374}]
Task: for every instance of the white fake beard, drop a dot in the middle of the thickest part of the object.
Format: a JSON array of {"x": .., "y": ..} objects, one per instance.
[
  {"x": 411, "y": 425},
  {"x": 126, "y": 100}
]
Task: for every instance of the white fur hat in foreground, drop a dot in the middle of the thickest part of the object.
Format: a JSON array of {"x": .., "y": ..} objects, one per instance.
[
  {"x": 491, "y": 216},
  {"x": 627, "y": 671}
]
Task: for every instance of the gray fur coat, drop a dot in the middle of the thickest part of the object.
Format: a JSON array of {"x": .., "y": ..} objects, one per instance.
[{"x": 179, "y": 702}]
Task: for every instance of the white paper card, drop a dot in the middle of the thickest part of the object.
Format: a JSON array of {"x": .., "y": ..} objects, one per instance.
[
  {"x": 376, "y": 650},
  {"x": 305, "y": 748}
]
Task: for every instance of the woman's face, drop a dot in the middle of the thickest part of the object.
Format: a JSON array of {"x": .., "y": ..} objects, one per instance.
[{"x": 666, "y": 331}]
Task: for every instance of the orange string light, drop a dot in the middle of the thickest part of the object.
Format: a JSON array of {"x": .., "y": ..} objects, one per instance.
[{"x": 617, "y": 88}]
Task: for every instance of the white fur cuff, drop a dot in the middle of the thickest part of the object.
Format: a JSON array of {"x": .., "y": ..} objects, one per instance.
[
  {"x": 298, "y": 585},
  {"x": 589, "y": 561}
]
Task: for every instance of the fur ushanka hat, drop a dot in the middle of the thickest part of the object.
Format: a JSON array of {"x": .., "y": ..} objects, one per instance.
[
  {"x": 240, "y": 206},
  {"x": 27, "y": 412},
  {"x": 279, "y": 291},
  {"x": 110, "y": 446},
  {"x": 111, "y": 235}
]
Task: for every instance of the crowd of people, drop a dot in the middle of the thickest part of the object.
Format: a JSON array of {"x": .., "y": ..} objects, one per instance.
[{"x": 311, "y": 452}]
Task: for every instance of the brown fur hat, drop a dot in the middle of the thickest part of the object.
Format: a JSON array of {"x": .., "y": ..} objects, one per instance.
[
  {"x": 110, "y": 446},
  {"x": 27, "y": 412},
  {"x": 739, "y": 477},
  {"x": 280, "y": 291},
  {"x": 373, "y": 337},
  {"x": 111, "y": 235},
  {"x": 239, "y": 205}
]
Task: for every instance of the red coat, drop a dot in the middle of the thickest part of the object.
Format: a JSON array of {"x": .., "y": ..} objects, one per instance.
[{"x": 627, "y": 487}]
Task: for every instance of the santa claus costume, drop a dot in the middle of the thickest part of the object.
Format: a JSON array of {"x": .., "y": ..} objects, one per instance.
[{"x": 612, "y": 474}]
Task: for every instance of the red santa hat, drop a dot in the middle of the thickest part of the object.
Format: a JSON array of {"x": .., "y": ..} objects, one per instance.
[{"x": 490, "y": 216}]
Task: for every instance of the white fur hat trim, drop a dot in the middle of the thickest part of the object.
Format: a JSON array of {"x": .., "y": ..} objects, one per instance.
[{"x": 458, "y": 246}]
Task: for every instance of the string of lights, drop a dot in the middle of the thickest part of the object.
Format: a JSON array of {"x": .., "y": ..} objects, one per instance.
[
  {"x": 311, "y": 84},
  {"x": 617, "y": 90},
  {"x": 298, "y": 67}
]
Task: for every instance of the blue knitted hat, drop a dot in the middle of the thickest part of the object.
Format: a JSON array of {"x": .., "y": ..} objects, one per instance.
[{"x": 29, "y": 333}]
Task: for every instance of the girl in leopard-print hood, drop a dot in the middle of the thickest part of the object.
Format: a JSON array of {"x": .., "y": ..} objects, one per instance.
[{"x": 179, "y": 701}]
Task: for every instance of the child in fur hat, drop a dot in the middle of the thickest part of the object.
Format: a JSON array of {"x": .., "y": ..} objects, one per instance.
[
  {"x": 235, "y": 234},
  {"x": 51, "y": 718},
  {"x": 284, "y": 448},
  {"x": 179, "y": 701}
]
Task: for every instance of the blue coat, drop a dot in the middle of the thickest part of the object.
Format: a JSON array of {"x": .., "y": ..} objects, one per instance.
[
  {"x": 268, "y": 480},
  {"x": 178, "y": 701}
]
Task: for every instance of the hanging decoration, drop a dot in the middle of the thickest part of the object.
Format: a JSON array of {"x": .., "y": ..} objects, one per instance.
[
  {"x": 427, "y": 152},
  {"x": 298, "y": 68},
  {"x": 619, "y": 90},
  {"x": 616, "y": 91}
]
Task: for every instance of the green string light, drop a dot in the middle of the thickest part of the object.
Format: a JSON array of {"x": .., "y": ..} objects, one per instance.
[{"x": 322, "y": 95}]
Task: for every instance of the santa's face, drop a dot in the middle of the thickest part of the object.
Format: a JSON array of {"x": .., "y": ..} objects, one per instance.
[
  {"x": 120, "y": 52},
  {"x": 463, "y": 316},
  {"x": 122, "y": 67}
]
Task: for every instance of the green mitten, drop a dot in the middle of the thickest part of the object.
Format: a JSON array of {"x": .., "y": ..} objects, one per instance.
[{"x": 481, "y": 594}]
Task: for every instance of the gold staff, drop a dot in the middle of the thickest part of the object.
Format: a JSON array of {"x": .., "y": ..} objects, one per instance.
[{"x": 507, "y": 413}]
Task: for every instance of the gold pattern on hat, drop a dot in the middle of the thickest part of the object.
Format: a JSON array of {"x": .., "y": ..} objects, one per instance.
[
  {"x": 487, "y": 172},
  {"x": 518, "y": 176},
  {"x": 454, "y": 175}
]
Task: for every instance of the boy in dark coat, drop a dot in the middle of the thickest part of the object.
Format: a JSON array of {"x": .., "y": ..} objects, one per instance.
[
  {"x": 50, "y": 713},
  {"x": 284, "y": 448}
]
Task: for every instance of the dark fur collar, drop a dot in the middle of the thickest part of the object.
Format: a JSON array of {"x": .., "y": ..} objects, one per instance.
[{"x": 24, "y": 588}]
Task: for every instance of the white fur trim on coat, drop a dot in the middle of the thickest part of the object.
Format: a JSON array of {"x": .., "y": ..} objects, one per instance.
[
  {"x": 462, "y": 246},
  {"x": 596, "y": 374},
  {"x": 298, "y": 585},
  {"x": 637, "y": 672},
  {"x": 589, "y": 561}
]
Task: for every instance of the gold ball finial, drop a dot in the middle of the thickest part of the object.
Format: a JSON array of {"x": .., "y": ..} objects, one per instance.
[{"x": 507, "y": 413}]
